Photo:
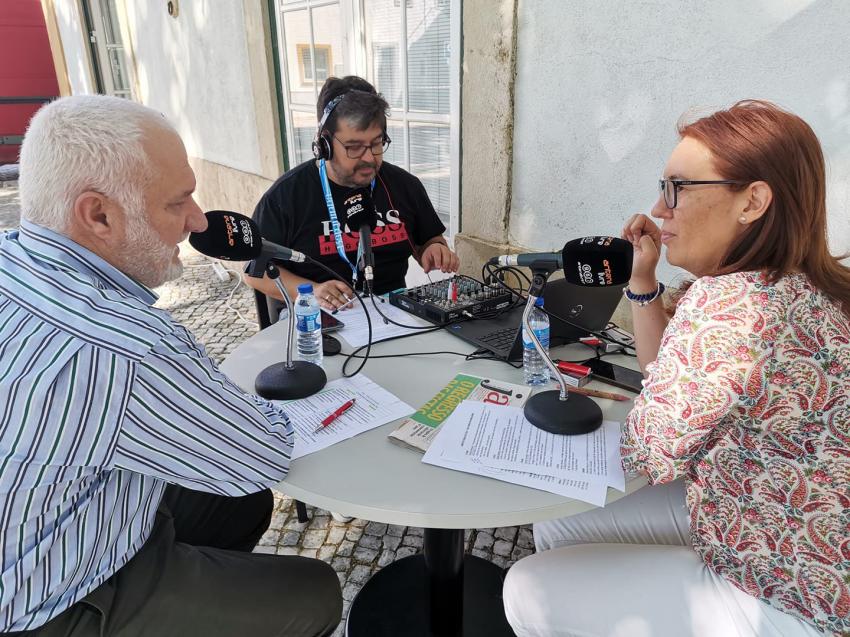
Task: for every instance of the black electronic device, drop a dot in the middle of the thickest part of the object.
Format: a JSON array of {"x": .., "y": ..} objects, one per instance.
[
  {"x": 330, "y": 345},
  {"x": 499, "y": 335},
  {"x": 586, "y": 308},
  {"x": 330, "y": 323},
  {"x": 615, "y": 375},
  {"x": 452, "y": 300},
  {"x": 323, "y": 147}
]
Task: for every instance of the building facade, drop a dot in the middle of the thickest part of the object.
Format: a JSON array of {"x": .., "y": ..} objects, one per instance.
[{"x": 530, "y": 122}]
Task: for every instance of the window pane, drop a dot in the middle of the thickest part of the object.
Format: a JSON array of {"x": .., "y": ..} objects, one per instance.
[
  {"x": 428, "y": 56},
  {"x": 323, "y": 63},
  {"x": 304, "y": 126},
  {"x": 395, "y": 153},
  {"x": 327, "y": 31},
  {"x": 296, "y": 31},
  {"x": 111, "y": 30},
  {"x": 383, "y": 35},
  {"x": 430, "y": 161},
  {"x": 116, "y": 65}
]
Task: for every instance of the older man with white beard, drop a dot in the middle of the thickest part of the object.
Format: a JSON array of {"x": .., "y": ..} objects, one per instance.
[{"x": 134, "y": 475}]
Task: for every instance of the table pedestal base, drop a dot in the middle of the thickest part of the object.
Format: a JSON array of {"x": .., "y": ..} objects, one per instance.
[{"x": 440, "y": 593}]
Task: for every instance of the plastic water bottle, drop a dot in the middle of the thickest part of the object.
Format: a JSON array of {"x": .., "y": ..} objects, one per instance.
[
  {"x": 533, "y": 366},
  {"x": 308, "y": 325}
]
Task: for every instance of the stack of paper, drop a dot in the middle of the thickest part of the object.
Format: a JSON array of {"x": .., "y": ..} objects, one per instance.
[
  {"x": 421, "y": 428},
  {"x": 374, "y": 406},
  {"x": 500, "y": 443}
]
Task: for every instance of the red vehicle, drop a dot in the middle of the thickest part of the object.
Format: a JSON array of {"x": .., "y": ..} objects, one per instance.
[{"x": 27, "y": 74}]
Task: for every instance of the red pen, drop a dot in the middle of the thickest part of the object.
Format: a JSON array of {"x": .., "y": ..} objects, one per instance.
[
  {"x": 339, "y": 412},
  {"x": 574, "y": 369}
]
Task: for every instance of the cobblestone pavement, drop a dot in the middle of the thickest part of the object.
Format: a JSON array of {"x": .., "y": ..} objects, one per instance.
[{"x": 208, "y": 307}]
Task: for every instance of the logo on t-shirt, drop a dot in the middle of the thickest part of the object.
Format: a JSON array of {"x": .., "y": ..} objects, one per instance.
[{"x": 390, "y": 229}]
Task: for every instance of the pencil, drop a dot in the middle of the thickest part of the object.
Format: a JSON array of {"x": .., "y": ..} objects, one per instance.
[{"x": 596, "y": 393}]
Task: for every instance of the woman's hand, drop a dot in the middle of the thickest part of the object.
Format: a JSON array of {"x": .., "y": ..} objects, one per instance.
[
  {"x": 333, "y": 294},
  {"x": 645, "y": 237}
]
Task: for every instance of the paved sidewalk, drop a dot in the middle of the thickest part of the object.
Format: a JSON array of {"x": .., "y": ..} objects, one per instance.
[{"x": 208, "y": 307}]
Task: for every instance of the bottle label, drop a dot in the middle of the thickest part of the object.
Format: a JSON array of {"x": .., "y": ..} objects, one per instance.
[
  {"x": 310, "y": 322},
  {"x": 542, "y": 336}
]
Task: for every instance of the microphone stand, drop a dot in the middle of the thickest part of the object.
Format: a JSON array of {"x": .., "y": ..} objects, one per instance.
[
  {"x": 362, "y": 266},
  {"x": 290, "y": 379},
  {"x": 557, "y": 412}
]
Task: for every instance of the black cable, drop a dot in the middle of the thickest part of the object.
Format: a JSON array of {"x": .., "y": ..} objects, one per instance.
[
  {"x": 365, "y": 310},
  {"x": 491, "y": 270},
  {"x": 389, "y": 320},
  {"x": 354, "y": 353},
  {"x": 604, "y": 337}
]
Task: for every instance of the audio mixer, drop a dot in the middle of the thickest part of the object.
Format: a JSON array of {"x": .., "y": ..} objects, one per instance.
[{"x": 452, "y": 299}]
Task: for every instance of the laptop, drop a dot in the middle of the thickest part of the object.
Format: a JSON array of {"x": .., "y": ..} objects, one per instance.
[{"x": 586, "y": 308}]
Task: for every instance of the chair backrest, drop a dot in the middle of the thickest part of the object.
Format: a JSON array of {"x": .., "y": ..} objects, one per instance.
[
  {"x": 268, "y": 309},
  {"x": 263, "y": 316}
]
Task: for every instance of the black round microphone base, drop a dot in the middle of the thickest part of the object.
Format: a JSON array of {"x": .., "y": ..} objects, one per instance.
[
  {"x": 277, "y": 382},
  {"x": 575, "y": 416}
]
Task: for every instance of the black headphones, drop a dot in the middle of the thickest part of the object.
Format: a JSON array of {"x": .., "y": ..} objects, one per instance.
[{"x": 323, "y": 146}]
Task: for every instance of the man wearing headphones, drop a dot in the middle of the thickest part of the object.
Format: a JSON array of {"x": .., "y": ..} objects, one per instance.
[{"x": 304, "y": 209}]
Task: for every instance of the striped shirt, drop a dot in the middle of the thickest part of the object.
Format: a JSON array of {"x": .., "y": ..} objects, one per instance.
[{"x": 104, "y": 400}]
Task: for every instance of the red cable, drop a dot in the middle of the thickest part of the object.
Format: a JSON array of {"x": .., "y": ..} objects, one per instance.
[{"x": 392, "y": 207}]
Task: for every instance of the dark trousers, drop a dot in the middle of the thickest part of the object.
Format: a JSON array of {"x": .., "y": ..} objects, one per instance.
[{"x": 196, "y": 576}]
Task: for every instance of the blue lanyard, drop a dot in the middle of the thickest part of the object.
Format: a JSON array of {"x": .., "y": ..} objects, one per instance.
[{"x": 329, "y": 201}]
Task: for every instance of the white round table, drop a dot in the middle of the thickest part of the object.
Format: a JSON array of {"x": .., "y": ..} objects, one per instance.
[{"x": 371, "y": 478}]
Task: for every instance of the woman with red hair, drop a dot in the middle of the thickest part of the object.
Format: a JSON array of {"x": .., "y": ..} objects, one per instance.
[{"x": 742, "y": 425}]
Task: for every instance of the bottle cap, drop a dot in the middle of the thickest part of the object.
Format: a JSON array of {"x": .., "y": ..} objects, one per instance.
[
  {"x": 539, "y": 302},
  {"x": 305, "y": 288}
]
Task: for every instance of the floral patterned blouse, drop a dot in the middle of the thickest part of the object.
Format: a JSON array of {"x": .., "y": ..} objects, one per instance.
[{"x": 749, "y": 401}]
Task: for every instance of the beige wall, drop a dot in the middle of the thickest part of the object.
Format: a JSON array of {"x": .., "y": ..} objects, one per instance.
[
  {"x": 489, "y": 52},
  {"x": 222, "y": 187},
  {"x": 221, "y": 98}
]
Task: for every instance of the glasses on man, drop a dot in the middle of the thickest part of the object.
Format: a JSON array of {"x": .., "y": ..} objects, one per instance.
[
  {"x": 356, "y": 151},
  {"x": 671, "y": 187}
]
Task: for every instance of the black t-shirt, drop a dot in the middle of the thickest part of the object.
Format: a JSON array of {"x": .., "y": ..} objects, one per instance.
[{"x": 293, "y": 213}]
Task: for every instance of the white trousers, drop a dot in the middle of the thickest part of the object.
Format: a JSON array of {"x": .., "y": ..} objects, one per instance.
[{"x": 628, "y": 570}]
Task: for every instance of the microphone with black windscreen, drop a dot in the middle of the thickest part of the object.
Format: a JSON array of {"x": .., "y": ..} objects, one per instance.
[
  {"x": 597, "y": 261},
  {"x": 360, "y": 214},
  {"x": 231, "y": 236},
  {"x": 592, "y": 261}
]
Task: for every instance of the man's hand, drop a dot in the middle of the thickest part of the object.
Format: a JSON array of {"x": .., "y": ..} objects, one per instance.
[
  {"x": 437, "y": 256},
  {"x": 333, "y": 295},
  {"x": 645, "y": 236}
]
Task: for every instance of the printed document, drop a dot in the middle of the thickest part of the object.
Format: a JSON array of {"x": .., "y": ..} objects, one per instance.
[
  {"x": 421, "y": 428},
  {"x": 499, "y": 442},
  {"x": 374, "y": 406},
  {"x": 356, "y": 330}
]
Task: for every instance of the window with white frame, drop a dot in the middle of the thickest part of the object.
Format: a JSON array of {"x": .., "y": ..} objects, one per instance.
[{"x": 409, "y": 50}]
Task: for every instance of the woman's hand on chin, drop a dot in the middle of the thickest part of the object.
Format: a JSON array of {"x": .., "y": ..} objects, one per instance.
[{"x": 645, "y": 237}]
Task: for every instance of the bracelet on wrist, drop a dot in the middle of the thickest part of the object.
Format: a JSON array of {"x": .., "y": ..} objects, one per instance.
[{"x": 644, "y": 299}]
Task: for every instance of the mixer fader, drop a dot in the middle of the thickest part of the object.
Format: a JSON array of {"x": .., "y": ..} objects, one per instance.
[{"x": 451, "y": 300}]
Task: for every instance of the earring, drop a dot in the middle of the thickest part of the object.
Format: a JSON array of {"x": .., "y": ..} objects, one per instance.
[{"x": 742, "y": 219}]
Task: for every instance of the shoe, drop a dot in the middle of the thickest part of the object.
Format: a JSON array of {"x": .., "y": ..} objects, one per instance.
[{"x": 345, "y": 519}]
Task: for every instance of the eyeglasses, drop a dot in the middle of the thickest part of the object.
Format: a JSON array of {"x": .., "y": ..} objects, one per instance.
[
  {"x": 671, "y": 187},
  {"x": 356, "y": 151}
]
